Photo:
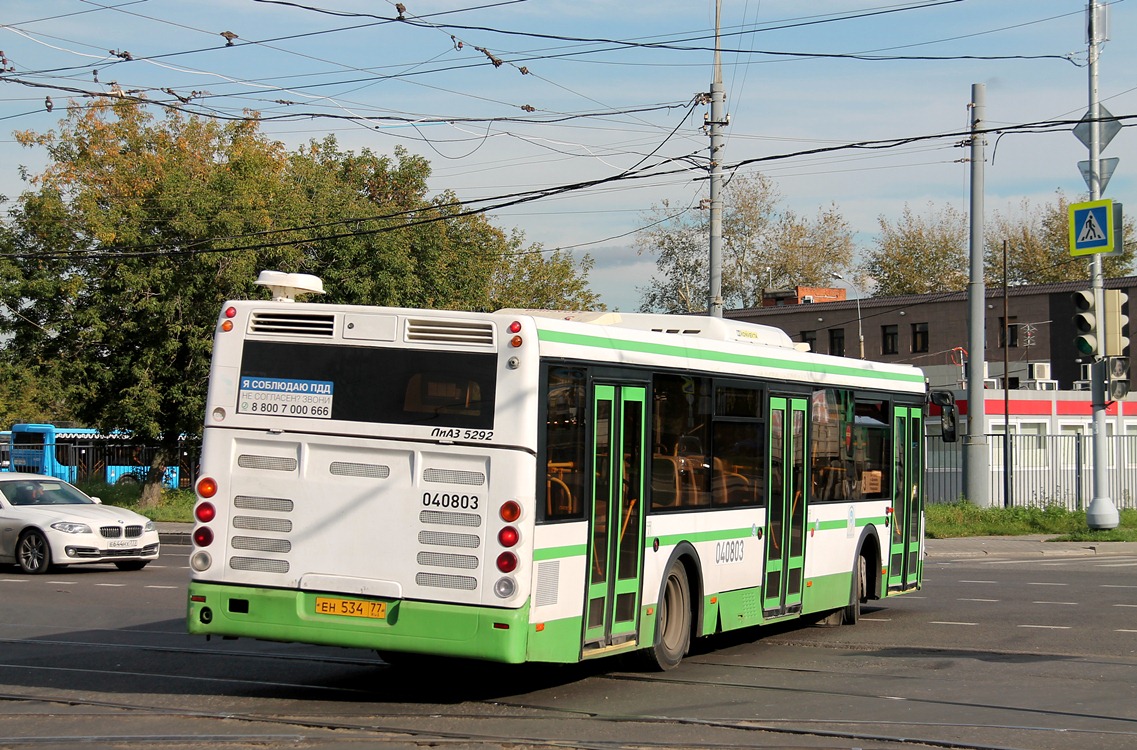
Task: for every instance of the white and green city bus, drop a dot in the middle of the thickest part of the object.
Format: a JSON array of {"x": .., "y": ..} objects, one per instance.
[{"x": 543, "y": 486}]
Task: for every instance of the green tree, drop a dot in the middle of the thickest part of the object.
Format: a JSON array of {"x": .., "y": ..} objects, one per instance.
[
  {"x": 528, "y": 279},
  {"x": 765, "y": 247},
  {"x": 139, "y": 228},
  {"x": 919, "y": 254},
  {"x": 678, "y": 240}
]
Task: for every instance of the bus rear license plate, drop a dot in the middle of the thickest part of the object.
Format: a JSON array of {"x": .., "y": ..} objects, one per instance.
[{"x": 350, "y": 608}]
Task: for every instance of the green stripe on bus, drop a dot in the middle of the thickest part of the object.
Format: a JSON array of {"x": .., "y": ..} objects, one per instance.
[
  {"x": 706, "y": 536},
  {"x": 842, "y": 523},
  {"x": 556, "y": 553},
  {"x": 579, "y": 339}
]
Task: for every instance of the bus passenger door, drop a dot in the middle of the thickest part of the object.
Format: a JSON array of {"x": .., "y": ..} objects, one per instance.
[
  {"x": 907, "y": 498},
  {"x": 615, "y": 551},
  {"x": 785, "y": 507}
]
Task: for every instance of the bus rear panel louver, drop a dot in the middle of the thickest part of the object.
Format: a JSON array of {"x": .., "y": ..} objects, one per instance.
[
  {"x": 433, "y": 331},
  {"x": 293, "y": 323}
]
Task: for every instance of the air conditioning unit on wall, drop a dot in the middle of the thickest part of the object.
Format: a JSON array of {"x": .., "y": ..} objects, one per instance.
[{"x": 1038, "y": 371}]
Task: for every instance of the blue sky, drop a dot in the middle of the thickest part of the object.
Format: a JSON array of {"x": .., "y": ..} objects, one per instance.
[{"x": 602, "y": 107}]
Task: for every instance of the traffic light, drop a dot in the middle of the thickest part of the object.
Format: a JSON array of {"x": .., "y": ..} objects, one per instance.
[
  {"x": 1085, "y": 323},
  {"x": 1114, "y": 339},
  {"x": 1118, "y": 384}
]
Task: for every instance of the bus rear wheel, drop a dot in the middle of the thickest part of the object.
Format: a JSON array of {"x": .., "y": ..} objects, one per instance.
[
  {"x": 672, "y": 621},
  {"x": 852, "y": 613}
]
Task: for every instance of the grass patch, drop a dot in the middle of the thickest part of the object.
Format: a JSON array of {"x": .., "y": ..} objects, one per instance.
[
  {"x": 949, "y": 520},
  {"x": 175, "y": 505}
]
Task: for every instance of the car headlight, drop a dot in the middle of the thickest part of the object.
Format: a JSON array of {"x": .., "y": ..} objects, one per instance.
[
  {"x": 70, "y": 527},
  {"x": 149, "y": 526}
]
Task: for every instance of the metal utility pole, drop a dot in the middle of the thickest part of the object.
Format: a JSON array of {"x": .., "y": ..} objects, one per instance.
[
  {"x": 1101, "y": 514},
  {"x": 717, "y": 121},
  {"x": 975, "y": 462}
]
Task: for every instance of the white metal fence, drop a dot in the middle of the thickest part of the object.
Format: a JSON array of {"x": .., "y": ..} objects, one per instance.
[{"x": 1036, "y": 470}]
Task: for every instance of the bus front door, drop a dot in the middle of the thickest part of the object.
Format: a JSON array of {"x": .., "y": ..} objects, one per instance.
[
  {"x": 785, "y": 508},
  {"x": 907, "y": 498},
  {"x": 616, "y": 538}
]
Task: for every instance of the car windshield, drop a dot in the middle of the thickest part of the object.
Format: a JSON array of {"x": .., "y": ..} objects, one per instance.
[{"x": 43, "y": 492}]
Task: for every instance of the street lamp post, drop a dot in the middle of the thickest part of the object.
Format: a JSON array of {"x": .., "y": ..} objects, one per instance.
[{"x": 860, "y": 328}]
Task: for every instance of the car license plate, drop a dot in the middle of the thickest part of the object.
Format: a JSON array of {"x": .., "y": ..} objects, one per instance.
[
  {"x": 350, "y": 608},
  {"x": 123, "y": 543}
]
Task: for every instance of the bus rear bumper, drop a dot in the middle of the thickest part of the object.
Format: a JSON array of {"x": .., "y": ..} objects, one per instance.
[{"x": 289, "y": 616}]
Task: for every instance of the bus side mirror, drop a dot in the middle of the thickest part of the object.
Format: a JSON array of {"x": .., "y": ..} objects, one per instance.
[{"x": 946, "y": 401}]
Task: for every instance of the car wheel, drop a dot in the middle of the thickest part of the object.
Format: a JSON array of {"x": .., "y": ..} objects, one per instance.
[
  {"x": 33, "y": 554},
  {"x": 131, "y": 564}
]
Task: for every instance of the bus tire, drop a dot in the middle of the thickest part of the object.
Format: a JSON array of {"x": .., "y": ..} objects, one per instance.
[
  {"x": 852, "y": 613},
  {"x": 672, "y": 621},
  {"x": 33, "y": 554}
]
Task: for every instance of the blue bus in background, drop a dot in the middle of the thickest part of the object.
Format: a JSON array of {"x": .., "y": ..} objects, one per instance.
[{"x": 81, "y": 454}]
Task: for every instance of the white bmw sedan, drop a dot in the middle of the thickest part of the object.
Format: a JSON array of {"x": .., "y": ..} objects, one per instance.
[{"x": 46, "y": 521}]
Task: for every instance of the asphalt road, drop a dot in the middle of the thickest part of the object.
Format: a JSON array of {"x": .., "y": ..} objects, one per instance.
[{"x": 1022, "y": 651}]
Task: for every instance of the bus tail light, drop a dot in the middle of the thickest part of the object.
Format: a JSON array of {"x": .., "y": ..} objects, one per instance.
[
  {"x": 505, "y": 587},
  {"x": 207, "y": 487},
  {"x": 205, "y": 512},
  {"x": 510, "y": 511},
  {"x": 507, "y": 562},
  {"x": 202, "y": 537},
  {"x": 508, "y": 537}
]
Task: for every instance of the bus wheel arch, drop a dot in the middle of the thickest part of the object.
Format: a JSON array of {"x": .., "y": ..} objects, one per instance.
[{"x": 678, "y": 616}]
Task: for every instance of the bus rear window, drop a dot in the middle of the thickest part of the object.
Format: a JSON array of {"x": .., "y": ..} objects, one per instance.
[{"x": 366, "y": 384}]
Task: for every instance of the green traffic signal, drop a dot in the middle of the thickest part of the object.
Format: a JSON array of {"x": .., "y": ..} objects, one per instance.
[{"x": 1085, "y": 323}]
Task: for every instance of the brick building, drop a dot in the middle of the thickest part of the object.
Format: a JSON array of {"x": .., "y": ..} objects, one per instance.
[{"x": 1034, "y": 336}]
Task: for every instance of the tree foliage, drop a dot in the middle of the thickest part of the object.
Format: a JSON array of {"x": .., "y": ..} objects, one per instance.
[
  {"x": 123, "y": 249},
  {"x": 765, "y": 246},
  {"x": 919, "y": 254},
  {"x": 1038, "y": 246}
]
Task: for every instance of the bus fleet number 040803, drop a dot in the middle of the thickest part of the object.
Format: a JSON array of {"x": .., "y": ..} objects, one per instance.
[{"x": 446, "y": 500}]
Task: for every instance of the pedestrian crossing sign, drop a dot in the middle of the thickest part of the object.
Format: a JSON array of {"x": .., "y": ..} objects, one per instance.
[{"x": 1092, "y": 227}]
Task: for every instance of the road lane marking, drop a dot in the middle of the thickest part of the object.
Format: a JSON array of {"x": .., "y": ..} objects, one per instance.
[
  {"x": 13, "y": 580},
  {"x": 113, "y": 585},
  {"x": 1045, "y": 627},
  {"x": 162, "y": 587},
  {"x": 1068, "y": 604},
  {"x": 1125, "y": 631},
  {"x": 1118, "y": 586},
  {"x": 978, "y": 581},
  {"x": 946, "y": 622},
  {"x": 1125, "y": 605},
  {"x": 1119, "y": 565},
  {"x": 1044, "y": 583},
  {"x": 978, "y": 600}
]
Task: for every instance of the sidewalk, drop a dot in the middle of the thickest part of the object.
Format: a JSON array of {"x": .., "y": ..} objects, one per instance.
[
  {"x": 174, "y": 533},
  {"x": 978, "y": 546},
  {"x": 1022, "y": 547}
]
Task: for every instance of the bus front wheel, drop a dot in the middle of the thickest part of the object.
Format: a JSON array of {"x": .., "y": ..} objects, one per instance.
[{"x": 672, "y": 621}]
